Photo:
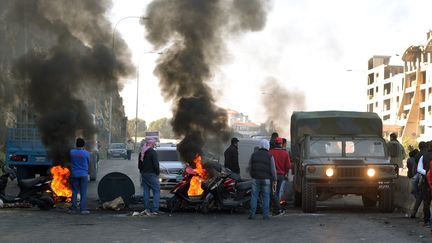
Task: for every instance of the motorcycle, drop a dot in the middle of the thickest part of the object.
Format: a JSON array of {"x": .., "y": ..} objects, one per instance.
[
  {"x": 227, "y": 191},
  {"x": 35, "y": 191},
  {"x": 181, "y": 199}
]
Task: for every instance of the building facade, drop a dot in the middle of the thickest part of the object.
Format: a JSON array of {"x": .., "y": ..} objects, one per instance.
[{"x": 402, "y": 94}]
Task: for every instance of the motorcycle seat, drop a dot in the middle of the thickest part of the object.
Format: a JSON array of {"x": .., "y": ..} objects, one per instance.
[
  {"x": 27, "y": 183},
  {"x": 244, "y": 185}
]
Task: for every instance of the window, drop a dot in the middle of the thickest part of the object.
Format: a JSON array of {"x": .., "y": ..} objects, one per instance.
[{"x": 167, "y": 155}]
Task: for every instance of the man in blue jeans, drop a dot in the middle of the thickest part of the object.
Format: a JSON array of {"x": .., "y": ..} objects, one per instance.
[
  {"x": 80, "y": 160},
  {"x": 148, "y": 164},
  {"x": 262, "y": 170}
]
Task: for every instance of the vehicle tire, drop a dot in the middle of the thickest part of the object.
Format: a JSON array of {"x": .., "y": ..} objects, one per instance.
[
  {"x": 93, "y": 168},
  {"x": 385, "y": 200},
  {"x": 369, "y": 202},
  {"x": 46, "y": 203},
  {"x": 173, "y": 204},
  {"x": 207, "y": 204},
  {"x": 308, "y": 197},
  {"x": 297, "y": 198}
]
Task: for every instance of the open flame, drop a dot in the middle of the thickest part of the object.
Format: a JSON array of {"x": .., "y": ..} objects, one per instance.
[
  {"x": 60, "y": 184},
  {"x": 195, "y": 183}
]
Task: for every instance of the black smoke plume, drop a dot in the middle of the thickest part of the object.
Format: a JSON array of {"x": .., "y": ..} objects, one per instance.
[
  {"x": 279, "y": 102},
  {"x": 68, "y": 52},
  {"x": 193, "y": 33}
]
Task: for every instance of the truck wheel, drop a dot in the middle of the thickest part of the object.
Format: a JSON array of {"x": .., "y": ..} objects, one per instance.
[
  {"x": 93, "y": 168},
  {"x": 308, "y": 197},
  {"x": 369, "y": 202},
  {"x": 297, "y": 198},
  {"x": 385, "y": 200}
]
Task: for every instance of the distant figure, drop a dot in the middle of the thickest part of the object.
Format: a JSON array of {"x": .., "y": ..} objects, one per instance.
[
  {"x": 231, "y": 156},
  {"x": 262, "y": 170},
  {"x": 80, "y": 160},
  {"x": 129, "y": 148},
  {"x": 148, "y": 164},
  {"x": 272, "y": 140},
  {"x": 396, "y": 151}
]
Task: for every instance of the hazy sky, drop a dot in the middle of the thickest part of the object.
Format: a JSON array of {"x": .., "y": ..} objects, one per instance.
[{"x": 307, "y": 45}]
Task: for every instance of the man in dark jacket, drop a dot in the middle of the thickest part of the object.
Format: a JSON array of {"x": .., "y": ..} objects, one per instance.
[
  {"x": 423, "y": 168},
  {"x": 423, "y": 147},
  {"x": 262, "y": 170},
  {"x": 231, "y": 156},
  {"x": 148, "y": 165}
]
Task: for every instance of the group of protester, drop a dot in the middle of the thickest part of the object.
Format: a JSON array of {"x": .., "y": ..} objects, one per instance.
[
  {"x": 419, "y": 164},
  {"x": 269, "y": 166}
]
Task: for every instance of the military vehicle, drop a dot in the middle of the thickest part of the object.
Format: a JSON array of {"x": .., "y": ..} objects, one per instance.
[{"x": 340, "y": 153}]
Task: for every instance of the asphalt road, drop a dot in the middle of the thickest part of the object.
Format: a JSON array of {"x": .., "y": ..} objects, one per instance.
[{"x": 337, "y": 220}]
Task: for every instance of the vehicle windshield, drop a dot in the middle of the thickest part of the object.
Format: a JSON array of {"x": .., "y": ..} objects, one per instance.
[
  {"x": 347, "y": 148},
  {"x": 167, "y": 155},
  {"x": 117, "y": 146}
]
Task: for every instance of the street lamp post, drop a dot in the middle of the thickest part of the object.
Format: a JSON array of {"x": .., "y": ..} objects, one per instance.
[
  {"x": 137, "y": 95},
  {"x": 112, "y": 51}
]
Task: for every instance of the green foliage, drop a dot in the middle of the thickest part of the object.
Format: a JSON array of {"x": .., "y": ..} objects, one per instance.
[{"x": 142, "y": 127}]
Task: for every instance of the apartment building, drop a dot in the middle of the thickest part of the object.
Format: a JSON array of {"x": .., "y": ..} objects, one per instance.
[{"x": 402, "y": 94}]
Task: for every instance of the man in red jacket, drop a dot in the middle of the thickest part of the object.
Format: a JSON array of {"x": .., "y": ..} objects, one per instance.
[{"x": 283, "y": 165}]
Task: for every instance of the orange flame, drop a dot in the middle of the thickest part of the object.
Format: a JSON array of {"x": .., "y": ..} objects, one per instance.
[
  {"x": 195, "y": 183},
  {"x": 60, "y": 184}
]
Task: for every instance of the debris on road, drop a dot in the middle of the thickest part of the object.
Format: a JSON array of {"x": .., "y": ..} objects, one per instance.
[{"x": 116, "y": 204}]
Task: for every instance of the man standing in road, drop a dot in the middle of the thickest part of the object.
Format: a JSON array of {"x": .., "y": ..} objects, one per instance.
[
  {"x": 396, "y": 151},
  {"x": 283, "y": 165},
  {"x": 80, "y": 160},
  {"x": 129, "y": 148},
  {"x": 422, "y": 169},
  {"x": 231, "y": 156},
  {"x": 262, "y": 170},
  {"x": 148, "y": 164}
]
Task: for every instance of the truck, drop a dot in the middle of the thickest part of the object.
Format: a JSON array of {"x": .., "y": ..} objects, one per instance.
[
  {"x": 26, "y": 152},
  {"x": 340, "y": 153}
]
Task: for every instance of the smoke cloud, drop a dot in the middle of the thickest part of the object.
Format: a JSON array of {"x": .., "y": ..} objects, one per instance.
[
  {"x": 193, "y": 33},
  {"x": 67, "y": 52},
  {"x": 279, "y": 103}
]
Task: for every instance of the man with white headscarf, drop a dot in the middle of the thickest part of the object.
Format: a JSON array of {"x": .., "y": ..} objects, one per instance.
[
  {"x": 148, "y": 164},
  {"x": 262, "y": 169}
]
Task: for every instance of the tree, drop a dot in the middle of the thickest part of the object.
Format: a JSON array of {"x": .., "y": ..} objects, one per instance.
[
  {"x": 142, "y": 127},
  {"x": 164, "y": 127}
]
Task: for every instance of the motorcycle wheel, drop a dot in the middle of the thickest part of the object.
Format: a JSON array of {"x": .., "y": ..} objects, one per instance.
[
  {"x": 46, "y": 203},
  {"x": 207, "y": 205},
  {"x": 173, "y": 204}
]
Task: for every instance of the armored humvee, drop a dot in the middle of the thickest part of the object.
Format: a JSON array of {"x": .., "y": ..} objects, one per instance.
[{"x": 340, "y": 152}]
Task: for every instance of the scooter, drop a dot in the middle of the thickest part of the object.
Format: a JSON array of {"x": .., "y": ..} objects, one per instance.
[
  {"x": 35, "y": 191},
  {"x": 228, "y": 191}
]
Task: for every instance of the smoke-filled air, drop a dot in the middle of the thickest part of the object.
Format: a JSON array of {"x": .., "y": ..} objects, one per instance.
[
  {"x": 192, "y": 34},
  {"x": 279, "y": 102},
  {"x": 61, "y": 52}
]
